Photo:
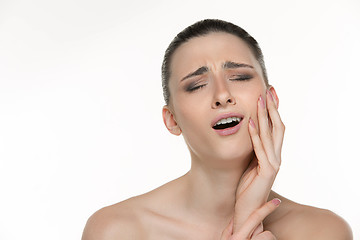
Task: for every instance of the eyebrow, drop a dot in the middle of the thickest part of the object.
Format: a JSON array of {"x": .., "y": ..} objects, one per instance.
[
  {"x": 230, "y": 65},
  {"x": 199, "y": 71},
  {"x": 226, "y": 65}
]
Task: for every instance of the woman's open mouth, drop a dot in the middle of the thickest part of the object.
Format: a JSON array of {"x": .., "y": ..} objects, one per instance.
[
  {"x": 227, "y": 126},
  {"x": 227, "y": 123}
]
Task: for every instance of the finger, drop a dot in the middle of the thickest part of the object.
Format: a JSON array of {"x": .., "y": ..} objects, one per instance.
[
  {"x": 256, "y": 218},
  {"x": 265, "y": 132},
  {"x": 259, "y": 150},
  {"x": 278, "y": 127},
  {"x": 226, "y": 234},
  {"x": 261, "y": 186},
  {"x": 266, "y": 235}
]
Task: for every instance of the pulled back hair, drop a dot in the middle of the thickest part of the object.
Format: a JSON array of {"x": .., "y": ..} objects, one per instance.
[{"x": 202, "y": 28}]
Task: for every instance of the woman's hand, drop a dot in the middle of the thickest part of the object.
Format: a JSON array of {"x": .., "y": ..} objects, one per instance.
[
  {"x": 255, "y": 184},
  {"x": 248, "y": 229}
]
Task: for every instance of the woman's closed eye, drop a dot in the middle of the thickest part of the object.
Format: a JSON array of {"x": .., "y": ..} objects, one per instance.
[
  {"x": 240, "y": 77},
  {"x": 198, "y": 85},
  {"x": 194, "y": 87}
]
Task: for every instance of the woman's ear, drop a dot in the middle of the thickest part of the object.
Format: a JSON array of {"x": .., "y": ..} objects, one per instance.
[
  {"x": 170, "y": 121},
  {"x": 273, "y": 92}
]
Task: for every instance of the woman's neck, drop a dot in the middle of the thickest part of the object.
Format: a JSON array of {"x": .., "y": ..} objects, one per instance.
[{"x": 211, "y": 190}]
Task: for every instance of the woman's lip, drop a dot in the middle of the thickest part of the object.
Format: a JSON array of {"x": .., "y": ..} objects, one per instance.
[
  {"x": 229, "y": 131},
  {"x": 227, "y": 115}
]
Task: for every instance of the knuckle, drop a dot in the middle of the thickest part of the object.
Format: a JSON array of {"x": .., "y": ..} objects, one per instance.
[
  {"x": 276, "y": 168},
  {"x": 277, "y": 165},
  {"x": 282, "y": 126}
]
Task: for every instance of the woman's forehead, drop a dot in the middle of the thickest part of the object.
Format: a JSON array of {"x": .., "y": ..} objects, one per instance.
[{"x": 213, "y": 51}]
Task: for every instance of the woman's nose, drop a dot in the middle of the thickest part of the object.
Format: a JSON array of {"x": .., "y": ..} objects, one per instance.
[{"x": 222, "y": 96}]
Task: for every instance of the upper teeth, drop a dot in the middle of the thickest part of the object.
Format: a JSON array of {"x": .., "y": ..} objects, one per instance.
[{"x": 227, "y": 120}]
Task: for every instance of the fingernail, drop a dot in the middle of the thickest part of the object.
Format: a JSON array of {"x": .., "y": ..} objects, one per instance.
[
  {"x": 252, "y": 123},
  {"x": 262, "y": 103},
  {"x": 276, "y": 201}
]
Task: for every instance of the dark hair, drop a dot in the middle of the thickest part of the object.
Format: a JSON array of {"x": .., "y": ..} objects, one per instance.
[{"x": 202, "y": 28}]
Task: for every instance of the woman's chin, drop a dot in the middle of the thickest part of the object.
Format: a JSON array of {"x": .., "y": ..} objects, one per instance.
[
  {"x": 229, "y": 157},
  {"x": 233, "y": 156},
  {"x": 227, "y": 152},
  {"x": 231, "y": 150}
]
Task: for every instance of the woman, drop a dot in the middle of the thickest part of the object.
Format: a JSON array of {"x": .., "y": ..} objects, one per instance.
[{"x": 218, "y": 97}]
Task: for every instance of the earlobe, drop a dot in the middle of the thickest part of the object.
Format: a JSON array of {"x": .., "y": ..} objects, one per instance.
[
  {"x": 170, "y": 121},
  {"x": 273, "y": 92}
]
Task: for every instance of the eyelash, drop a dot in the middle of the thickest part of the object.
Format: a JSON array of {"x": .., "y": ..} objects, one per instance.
[
  {"x": 192, "y": 89},
  {"x": 239, "y": 78}
]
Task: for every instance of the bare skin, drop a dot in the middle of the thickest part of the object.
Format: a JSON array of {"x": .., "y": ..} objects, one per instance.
[
  {"x": 227, "y": 193},
  {"x": 151, "y": 216}
]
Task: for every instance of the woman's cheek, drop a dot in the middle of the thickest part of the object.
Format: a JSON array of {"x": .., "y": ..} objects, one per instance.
[{"x": 187, "y": 119}]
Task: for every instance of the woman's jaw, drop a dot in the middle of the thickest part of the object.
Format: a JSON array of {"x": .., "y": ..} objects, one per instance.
[{"x": 218, "y": 151}]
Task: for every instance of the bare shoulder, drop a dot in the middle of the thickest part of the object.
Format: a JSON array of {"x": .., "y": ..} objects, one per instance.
[
  {"x": 118, "y": 221},
  {"x": 320, "y": 224},
  {"x": 134, "y": 218},
  {"x": 297, "y": 222}
]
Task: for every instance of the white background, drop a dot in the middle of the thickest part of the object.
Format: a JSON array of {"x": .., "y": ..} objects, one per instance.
[{"x": 81, "y": 99}]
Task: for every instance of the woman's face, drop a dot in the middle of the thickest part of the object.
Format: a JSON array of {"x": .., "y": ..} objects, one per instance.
[{"x": 211, "y": 76}]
